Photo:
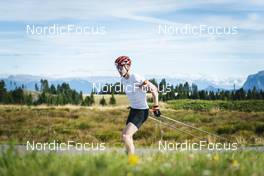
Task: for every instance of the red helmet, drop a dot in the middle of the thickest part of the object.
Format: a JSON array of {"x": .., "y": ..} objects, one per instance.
[{"x": 123, "y": 60}]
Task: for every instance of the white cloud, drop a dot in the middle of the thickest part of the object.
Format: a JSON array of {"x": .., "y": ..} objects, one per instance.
[{"x": 84, "y": 53}]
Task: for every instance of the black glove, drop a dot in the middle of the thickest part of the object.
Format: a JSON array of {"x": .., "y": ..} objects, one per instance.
[{"x": 156, "y": 111}]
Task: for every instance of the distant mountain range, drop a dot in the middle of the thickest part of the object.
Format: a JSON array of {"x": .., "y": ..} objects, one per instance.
[
  {"x": 256, "y": 80},
  {"x": 79, "y": 84},
  {"x": 85, "y": 84}
]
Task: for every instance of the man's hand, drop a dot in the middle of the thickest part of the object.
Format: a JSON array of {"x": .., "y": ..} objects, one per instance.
[{"x": 156, "y": 111}]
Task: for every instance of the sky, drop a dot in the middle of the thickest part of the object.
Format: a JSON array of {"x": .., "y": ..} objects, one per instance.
[{"x": 135, "y": 29}]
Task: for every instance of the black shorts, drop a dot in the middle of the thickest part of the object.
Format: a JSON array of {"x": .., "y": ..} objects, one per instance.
[{"x": 137, "y": 116}]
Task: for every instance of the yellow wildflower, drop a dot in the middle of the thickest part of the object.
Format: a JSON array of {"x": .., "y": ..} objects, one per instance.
[
  {"x": 133, "y": 159},
  {"x": 235, "y": 164},
  {"x": 215, "y": 157}
]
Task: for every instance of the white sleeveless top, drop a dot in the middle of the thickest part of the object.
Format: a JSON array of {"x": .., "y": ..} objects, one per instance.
[{"x": 136, "y": 95}]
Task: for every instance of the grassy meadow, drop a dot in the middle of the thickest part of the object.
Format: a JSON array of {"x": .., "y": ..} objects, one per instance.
[
  {"x": 237, "y": 121},
  {"x": 177, "y": 163},
  {"x": 121, "y": 99},
  {"x": 104, "y": 124}
]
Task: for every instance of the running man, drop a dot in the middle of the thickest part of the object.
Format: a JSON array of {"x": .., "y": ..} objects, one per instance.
[{"x": 135, "y": 88}]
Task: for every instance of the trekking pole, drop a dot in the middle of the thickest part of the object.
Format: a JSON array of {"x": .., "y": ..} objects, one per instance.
[
  {"x": 190, "y": 126},
  {"x": 171, "y": 126}
]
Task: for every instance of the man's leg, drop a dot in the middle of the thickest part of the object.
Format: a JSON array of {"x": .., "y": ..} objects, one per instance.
[{"x": 127, "y": 137}]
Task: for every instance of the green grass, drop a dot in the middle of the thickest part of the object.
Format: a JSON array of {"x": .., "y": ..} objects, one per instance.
[
  {"x": 120, "y": 99},
  {"x": 241, "y": 122},
  {"x": 205, "y": 105},
  {"x": 112, "y": 163},
  {"x": 105, "y": 124}
]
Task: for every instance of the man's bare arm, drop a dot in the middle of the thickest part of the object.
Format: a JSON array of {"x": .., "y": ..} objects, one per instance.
[{"x": 154, "y": 91}]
